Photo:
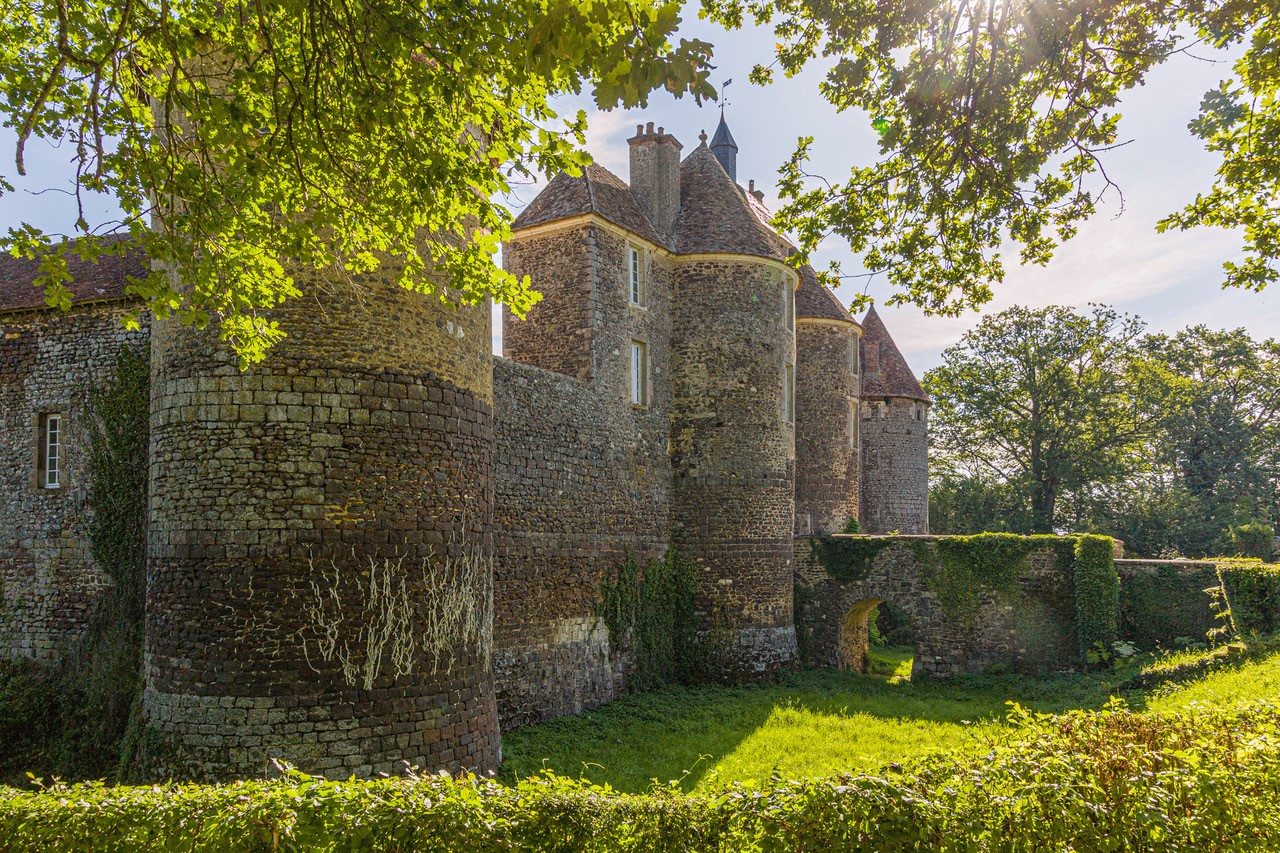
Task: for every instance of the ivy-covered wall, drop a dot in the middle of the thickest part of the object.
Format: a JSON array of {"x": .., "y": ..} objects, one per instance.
[
  {"x": 1029, "y": 603},
  {"x": 1165, "y": 603}
]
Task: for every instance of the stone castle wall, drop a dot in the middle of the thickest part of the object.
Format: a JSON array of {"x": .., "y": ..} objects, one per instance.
[
  {"x": 895, "y": 466},
  {"x": 827, "y": 424},
  {"x": 1034, "y": 630},
  {"x": 49, "y": 361},
  {"x": 733, "y": 452},
  {"x": 582, "y": 476},
  {"x": 318, "y": 522}
]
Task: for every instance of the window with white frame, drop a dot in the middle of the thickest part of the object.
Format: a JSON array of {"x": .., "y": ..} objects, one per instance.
[
  {"x": 639, "y": 374},
  {"x": 789, "y": 393},
  {"x": 49, "y": 451},
  {"x": 635, "y": 275},
  {"x": 853, "y": 424}
]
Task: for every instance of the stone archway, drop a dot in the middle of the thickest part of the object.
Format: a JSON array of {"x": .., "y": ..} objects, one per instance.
[{"x": 854, "y": 641}]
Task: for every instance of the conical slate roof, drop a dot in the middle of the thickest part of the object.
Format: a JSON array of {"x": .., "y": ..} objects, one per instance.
[
  {"x": 715, "y": 216},
  {"x": 884, "y": 371},
  {"x": 815, "y": 301},
  {"x": 723, "y": 136},
  {"x": 596, "y": 190}
]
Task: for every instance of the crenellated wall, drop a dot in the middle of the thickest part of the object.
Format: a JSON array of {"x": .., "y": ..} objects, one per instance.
[{"x": 895, "y": 466}]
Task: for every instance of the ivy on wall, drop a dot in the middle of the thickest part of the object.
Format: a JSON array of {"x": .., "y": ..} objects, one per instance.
[
  {"x": 87, "y": 706},
  {"x": 652, "y": 614},
  {"x": 1097, "y": 593}
]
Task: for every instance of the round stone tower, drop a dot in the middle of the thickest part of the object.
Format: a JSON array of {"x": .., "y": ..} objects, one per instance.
[
  {"x": 827, "y": 417},
  {"x": 320, "y": 585},
  {"x": 895, "y": 437},
  {"x": 732, "y": 418}
]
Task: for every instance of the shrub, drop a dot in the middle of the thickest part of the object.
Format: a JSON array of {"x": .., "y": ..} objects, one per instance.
[{"x": 1113, "y": 780}]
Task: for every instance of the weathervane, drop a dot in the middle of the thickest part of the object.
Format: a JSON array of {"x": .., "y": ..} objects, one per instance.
[{"x": 722, "y": 99}]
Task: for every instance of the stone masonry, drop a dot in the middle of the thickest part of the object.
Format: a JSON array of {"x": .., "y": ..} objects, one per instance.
[{"x": 317, "y": 522}]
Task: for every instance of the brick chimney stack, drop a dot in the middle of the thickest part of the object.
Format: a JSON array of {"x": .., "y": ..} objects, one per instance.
[{"x": 655, "y": 175}]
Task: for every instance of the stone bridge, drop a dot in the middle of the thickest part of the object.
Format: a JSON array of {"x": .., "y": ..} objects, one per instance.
[{"x": 974, "y": 603}]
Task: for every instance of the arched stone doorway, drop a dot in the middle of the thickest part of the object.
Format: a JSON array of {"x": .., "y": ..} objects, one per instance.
[{"x": 855, "y": 642}]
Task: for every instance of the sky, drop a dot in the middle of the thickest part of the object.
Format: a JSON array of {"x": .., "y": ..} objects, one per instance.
[{"x": 1169, "y": 280}]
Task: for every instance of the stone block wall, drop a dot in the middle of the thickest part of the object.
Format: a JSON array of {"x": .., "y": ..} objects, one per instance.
[
  {"x": 320, "y": 581},
  {"x": 49, "y": 361},
  {"x": 827, "y": 423},
  {"x": 733, "y": 452},
  {"x": 1031, "y": 629},
  {"x": 895, "y": 466},
  {"x": 582, "y": 476}
]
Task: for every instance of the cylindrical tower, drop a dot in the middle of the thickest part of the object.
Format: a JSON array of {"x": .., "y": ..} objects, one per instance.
[
  {"x": 895, "y": 437},
  {"x": 827, "y": 417},
  {"x": 733, "y": 454},
  {"x": 320, "y": 585}
]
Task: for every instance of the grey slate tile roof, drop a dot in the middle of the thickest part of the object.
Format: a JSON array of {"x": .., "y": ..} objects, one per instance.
[
  {"x": 91, "y": 282},
  {"x": 814, "y": 300},
  {"x": 715, "y": 216},
  {"x": 884, "y": 371},
  {"x": 596, "y": 190}
]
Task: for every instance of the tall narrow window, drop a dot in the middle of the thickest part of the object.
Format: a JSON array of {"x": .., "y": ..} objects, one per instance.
[
  {"x": 853, "y": 354},
  {"x": 639, "y": 374},
  {"x": 636, "y": 275},
  {"x": 788, "y": 303},
  {"x": 853, "y": 424},
  {"x": 49, "y": 466},
  {"x": 789, "y": 393}
]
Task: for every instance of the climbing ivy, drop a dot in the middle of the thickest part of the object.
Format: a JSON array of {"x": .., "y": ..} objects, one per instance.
[
  {"x": 86, "y": 704},
  {"x": 958, "y": 569},
  {"x": 849, "y": 558},
  {"x": 1097, "y": 593},
  {"x": 653, "y": 612}
]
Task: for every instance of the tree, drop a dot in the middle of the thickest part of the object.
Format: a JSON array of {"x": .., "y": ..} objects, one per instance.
[
  {"x": 1047, "y": 399},
  {"x": 994, "y": 119},
  {"x": 264, "y": 138}
]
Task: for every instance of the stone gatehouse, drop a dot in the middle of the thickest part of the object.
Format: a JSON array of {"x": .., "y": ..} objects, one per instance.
[{"x": 385, "y": 544}]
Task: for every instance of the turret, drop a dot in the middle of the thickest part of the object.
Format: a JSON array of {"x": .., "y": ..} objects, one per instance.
[
  {"x": 308, "y": 517},
  {"x": 895, "y": 437},
  {"x": 725, "y": 149},
  {"x": 827, "y": 416},
  {"x": 732, "y": 415}
]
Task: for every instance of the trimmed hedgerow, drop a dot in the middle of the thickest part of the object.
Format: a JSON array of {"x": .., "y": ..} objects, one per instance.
[{"x": 1113, "y": 780}]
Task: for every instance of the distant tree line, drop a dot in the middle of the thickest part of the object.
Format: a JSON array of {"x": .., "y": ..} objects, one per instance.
[{"x": 1052, "y": 419}]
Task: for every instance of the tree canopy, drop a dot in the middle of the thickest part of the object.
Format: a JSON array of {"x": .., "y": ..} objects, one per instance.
[
  {"x": 995, "y": 117},
  {"x": 1051, "y": 419},
  {"x": 251, "y": 140}
]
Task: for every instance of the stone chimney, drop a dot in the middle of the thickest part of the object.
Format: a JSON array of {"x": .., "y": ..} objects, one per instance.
[{"x": 655, "y": 175}]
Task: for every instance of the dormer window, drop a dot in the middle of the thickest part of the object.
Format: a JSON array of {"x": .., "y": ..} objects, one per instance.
[{"x": 635, "y": 275}]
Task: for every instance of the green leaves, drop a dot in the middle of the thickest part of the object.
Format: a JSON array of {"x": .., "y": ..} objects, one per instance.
[{"x": 262, "y": 147}]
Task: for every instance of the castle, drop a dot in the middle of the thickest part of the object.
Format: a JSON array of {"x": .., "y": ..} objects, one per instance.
[{"x": 385, "y": 544}]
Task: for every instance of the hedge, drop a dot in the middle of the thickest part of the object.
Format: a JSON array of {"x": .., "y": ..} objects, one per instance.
[
  {"x": 1160, "y": 603},
  {"x": 1111, "y": 780}
]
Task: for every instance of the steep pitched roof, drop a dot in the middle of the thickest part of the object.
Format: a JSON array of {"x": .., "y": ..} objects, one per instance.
[
  {"x": 91, "y": 282},
  {"x": 884, "y": 371},
  {"x": 723, "y": 136},
  {"x": 814, "y": 300},
  {"x": 715, "y": 216},
  {"x": 596, "y": 190}
]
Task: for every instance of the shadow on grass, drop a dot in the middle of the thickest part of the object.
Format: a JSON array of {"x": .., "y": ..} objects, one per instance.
[{"x": 806, "y": 722}]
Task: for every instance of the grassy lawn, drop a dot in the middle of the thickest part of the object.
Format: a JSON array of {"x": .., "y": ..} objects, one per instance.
[{"x": 818, "y": 723}]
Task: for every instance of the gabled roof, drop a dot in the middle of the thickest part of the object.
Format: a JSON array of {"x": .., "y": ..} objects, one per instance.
[
  {"x": 715, "y": 216},
  {"x": 91, "y": 282},
  {"x": 596, "y": 190},
  {"x": 815, "y": 301},
  {"x": 884, "y": 371}
]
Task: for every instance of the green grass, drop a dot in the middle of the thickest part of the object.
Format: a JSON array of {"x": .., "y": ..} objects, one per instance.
[{"x": 824, "y": 722}]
